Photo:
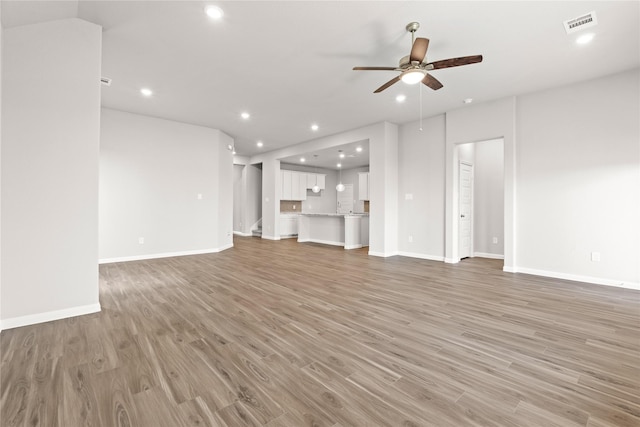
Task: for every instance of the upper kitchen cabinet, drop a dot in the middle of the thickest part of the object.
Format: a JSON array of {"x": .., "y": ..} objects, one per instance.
[
  {"x": 294, "y": 185},
  {"x": 363, "y": 186},
  {"x": 315, "y": 179}
]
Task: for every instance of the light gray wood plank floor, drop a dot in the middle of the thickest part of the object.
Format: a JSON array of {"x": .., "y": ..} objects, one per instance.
[{"x": 278, "y": 333}]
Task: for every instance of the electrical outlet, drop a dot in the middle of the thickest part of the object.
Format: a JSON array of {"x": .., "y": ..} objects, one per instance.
[
  {"x": 495, "y": 240},
  {"x": 141, "y": 240},
  {"x": 410, "y": 239},
  {"x": 595, "y": 256},
  {"x": 408, "y": 196},
  {"x": 199, "y": 196}
]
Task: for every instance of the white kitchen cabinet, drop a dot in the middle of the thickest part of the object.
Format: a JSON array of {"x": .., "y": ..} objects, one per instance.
[
  {"x": 311, "y": 180},
  {"x": 315, "y": 179},
  {"x": 286, "y": 185},
  {"x": 288, "y": 225},
  {"x": 302, "y": 186},
  {"x": 294, "y": 185},
  {"x": 363, "y": 185}
]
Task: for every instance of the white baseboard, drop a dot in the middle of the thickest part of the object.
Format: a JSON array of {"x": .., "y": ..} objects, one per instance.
[
  {"x": 32, "y": 319},
  {"x": 574, "y": 277},
  {"x": 354, "y": 246},
  {"x": 240, "y": 233},
  {"x": 488, "y": 255},
  {"x": 324, "y": 242},
  {"x": 164, "y": 255},
  {"x": 451, "y": 260},
  {"x": 421, "y": 256},
  {"x": 264, "y": 236},
  {"x": 383, "y": 254}
]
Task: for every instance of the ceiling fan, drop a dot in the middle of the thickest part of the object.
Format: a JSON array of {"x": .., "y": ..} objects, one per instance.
[{"x": 414, "y": 69}]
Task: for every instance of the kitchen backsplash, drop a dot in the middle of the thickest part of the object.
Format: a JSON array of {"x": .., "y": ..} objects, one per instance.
[{"x": 290, "y": 206}]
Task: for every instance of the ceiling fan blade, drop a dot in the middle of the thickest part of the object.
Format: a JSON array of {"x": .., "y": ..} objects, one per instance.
[
  {"x": 419, "y": 50},
  {"x": 387, "y": 84},
  {"x": 455, "y": 62},
  {"x": 375, "y": 68},
  {"x": 432, "y": 82}
]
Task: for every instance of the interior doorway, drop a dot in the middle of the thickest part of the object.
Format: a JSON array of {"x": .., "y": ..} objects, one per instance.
[
  {"x": 479, "y": 200},
  {"x": 465, "y": 221}
]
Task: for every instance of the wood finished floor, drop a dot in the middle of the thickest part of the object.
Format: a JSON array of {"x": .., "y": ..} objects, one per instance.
[{"x": 287, "y": 334}]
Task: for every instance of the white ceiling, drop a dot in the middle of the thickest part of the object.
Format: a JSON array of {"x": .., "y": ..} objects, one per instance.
[
  {"x": 289, "y": 63},
  {"x": 329, "y": 158}
]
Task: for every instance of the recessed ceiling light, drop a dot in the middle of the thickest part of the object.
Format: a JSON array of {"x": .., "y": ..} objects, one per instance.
[
  {"x": 259, "y": 144},
  {"x": 234, "y": 152},
  {"x": 245, "y": 115},
  {"x": 585, "y": 38},
  {"x": 468, "y": 100},
  {"x": 341, "y": 155},
  {"x": 302, "y": 160},
  {"x": 359, "y": 149},
  {"x": 214, "y": 12},
  {"x": 146, "y": 91},
  {"x": 339, "y": 165},
  {"x": 314, "y": 127},
  {"x": 401, "y": 98}
]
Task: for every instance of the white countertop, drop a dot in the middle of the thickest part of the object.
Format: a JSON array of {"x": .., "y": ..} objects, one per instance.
[{"x": 334, "y": 214}]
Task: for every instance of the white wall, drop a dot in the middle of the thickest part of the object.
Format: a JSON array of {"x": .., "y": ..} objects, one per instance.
[
  {"x": 50, "y": 143},
  {"x": 475, "y": 123},
  {"x": 576, "y": 191},
  {"x": 253, "y": 196},
  {"x": 488, "y": 198},
  {"x": 351, "y": 176},
  {"x": 151, "y": 172},
  {"x": 383, "y": 191},
  {"x": 0, "y": 166},
  {"x": 466, "y": 153},
  {"x": 271, "y": 193},
  {"x": 222, "y": 191},
  {"x": 238, "y": 197},
  {"x": 578, "y": 177},
  {"x": 421, "y": 189}
]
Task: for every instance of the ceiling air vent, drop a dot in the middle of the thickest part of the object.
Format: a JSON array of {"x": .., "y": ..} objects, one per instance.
[
  {"x": 105, "y": 81},
  {"x": 580, "y": 23}
]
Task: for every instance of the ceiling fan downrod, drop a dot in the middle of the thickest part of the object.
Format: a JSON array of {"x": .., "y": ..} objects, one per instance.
[{"x": 412, "y": 27}]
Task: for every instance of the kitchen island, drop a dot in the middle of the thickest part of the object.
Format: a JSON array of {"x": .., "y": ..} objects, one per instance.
[{"x": 348, "y": 230}]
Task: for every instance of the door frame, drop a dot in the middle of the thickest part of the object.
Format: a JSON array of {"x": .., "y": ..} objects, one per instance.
[
  {"x": 451, "y": 249},
  {"x": 471, "y": 239}
]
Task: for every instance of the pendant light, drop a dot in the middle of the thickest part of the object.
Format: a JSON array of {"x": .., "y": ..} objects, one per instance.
[
  {"x": 340, "y": 186},
  {"x": 316, "y": 187}
]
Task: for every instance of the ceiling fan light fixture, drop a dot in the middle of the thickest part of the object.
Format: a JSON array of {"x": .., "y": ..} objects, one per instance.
[{"x": 413, "y": 76}]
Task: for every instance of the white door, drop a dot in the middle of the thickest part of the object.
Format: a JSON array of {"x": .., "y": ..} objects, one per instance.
[
  {"x": 345, "y": 199},
  {"x": 465, "y": 192}
]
